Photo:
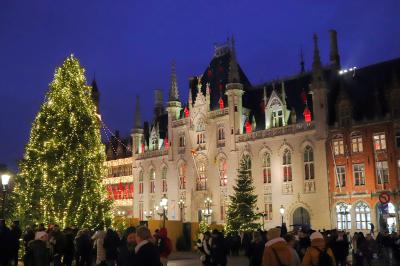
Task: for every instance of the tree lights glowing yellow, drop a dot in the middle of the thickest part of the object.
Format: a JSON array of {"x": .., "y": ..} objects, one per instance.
[{"x": 61, "y": 172}]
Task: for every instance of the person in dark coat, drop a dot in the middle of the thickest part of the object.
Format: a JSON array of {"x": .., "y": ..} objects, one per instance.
[
  {"x": 38, "y": 252},
  {"x": 110, "y": 244},
  {"x": 164, "y": 245},
  {"x": 57, "y": 240},
  {"x": 69, "y": 247},
  {"x": 256, "y": 250},
  {"x": 340, "y": 248},
  {"x": 126, "y": 254},
  {"x": 15, "y": 235},
  {"x": 83, "y": 248},
  {"x": 5, "y": 237},
  {"x": 146, "y": 253},
  {"x": 218, "y": 251}
]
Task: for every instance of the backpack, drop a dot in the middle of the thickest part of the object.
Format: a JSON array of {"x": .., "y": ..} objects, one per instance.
[{"x": 323, "y": 259}]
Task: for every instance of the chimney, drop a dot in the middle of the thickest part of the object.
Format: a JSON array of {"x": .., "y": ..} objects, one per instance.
[{"x": 334, "y": 57}]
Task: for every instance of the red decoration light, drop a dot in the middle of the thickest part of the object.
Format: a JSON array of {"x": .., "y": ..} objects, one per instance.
[
  {"x": 221, "y": 103},
  {"x": 186, "y": 111},
  {"x": 247, "y": 126},
  {"x": 307, "y": 115},
  {"x": 166, "y": 143},
  {"x": 142, "y": 148}
]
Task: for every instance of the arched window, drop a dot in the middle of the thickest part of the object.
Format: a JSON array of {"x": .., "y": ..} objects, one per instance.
[
  {"x": 343, "y": 216},
  {"x": 223, "y": 179},
  {"x": 287, "y": 166},
  {"x": 200, "y": 128},
  {"x": 152, "y": 181},
  {"x": 266, "y": 164},
  {"x": 309, "y": 163},
  {"x": 164, "y": 187},
  {"x": 182, "y": 176},
  {"x": 141, "y": 182},
  {"x": 363, "y": 216},
  {"x": 201, "y": 183}
]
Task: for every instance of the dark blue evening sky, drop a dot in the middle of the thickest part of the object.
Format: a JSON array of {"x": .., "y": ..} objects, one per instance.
[{"x": 130, "y": 44}]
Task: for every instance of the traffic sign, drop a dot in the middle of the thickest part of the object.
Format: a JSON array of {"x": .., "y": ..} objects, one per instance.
[{"x": 384, "y": 197}]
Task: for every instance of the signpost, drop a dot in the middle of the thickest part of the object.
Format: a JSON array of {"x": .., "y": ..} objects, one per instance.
[{"x": 384, "y": 198}]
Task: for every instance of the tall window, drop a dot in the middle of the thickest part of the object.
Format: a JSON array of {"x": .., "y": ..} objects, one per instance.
[
  {"x": 343, "y": 216},
  {"x": 182, "y": 176},
  {"x": 382, "y": 172},
  {"x": 201, "y": 127},
  {"x": 152, "y": 181},
  {"x": 141, "y": 211},
  {"x": 164, "y": 187},
  {"x": 223, "y": 179},
  {"x": 141, "y": 182},
  {"x": 277, "y": 118},
  {"x": 379, "y": 141},
  {"x": 221, "y": 133},
  {"x": 397, "y": 138},
  {"x": 359, "y": 174},
  {"x": 266, "y": 164},
  {"x": 182, "y": 141},
  {"x": 268, "y": 211},
  {"x": 287, "y": 166},
  {"x": 309, "y": 163},
  {"x": 338, "y": 146},
  {"x": 363, "y": 216},
  {"x": 340, "y": 176},
  {"x": 201, "y": 176},
  {"x": 356, "y": 143}
]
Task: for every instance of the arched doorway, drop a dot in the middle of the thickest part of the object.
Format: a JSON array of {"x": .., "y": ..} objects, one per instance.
[{"x": 301, "y": 217}]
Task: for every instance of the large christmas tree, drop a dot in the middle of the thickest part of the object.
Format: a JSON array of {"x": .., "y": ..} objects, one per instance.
[
  {"x": 62, "y": 168},
  {"x": 240, "y": 214}
]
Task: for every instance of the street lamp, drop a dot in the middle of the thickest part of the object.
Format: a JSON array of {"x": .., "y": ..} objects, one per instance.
[
  {"x": 207, "y": 212},
  {"x": 148, "y": 215},
  {"x": 5, "y": 178},
  {"x": 181, "y": 205},
  {"x": 282, "y": 211},
  {"x": 164, "y": 206}
]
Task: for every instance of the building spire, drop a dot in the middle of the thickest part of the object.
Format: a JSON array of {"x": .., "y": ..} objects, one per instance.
[
  {"x": 233, "y": 75},
  {"x": 173, "y": 90},
  {"x": 138, "y": 122},
  {"x": 334, "y": 52},
  {"x": 95, "y": 94},
  {"x": 302, "y": 68},
  {"x": 316, "y": 65}
]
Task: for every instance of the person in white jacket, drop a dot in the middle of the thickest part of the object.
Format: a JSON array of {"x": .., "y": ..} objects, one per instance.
[{"x": 98, "y": 239}]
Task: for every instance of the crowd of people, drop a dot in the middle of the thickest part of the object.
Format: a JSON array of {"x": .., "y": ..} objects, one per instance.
[
  {"x": 42, "y": 246},
  {"x": 305, "y": 247}
]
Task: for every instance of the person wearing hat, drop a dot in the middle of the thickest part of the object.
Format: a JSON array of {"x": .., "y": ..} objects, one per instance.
[
  {"x": 38, "y": 252},
  {"x": 318, "y": 251},
  {"x": 276, "y": 250}
]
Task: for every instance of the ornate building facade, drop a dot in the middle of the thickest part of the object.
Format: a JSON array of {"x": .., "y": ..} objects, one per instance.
[{"x": 191, "y": 149}]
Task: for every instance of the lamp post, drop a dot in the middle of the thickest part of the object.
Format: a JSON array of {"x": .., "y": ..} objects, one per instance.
[
  {"x": 164, "y": 206},
  {"x": 181, "y": 205},
  {"x": 5, "y": 178},
  {"x": 282, "y": 211},
  {"x": 207, "y": 212}
]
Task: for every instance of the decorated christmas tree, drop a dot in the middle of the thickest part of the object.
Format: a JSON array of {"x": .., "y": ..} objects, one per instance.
[
  {"x": 240, "y": 214},
  {"x": 60, "y": 178}
]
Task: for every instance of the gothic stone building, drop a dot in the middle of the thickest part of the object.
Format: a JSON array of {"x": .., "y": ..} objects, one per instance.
[{"x": 191, "y": 150}]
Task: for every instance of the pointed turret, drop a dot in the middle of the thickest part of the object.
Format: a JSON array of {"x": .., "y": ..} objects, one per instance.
[
  {"x": 283, "y": 93},
  {"x": 233, "y": 75},
  {"x": 137, "y": 132},
  {"x": 95, "y": 94},
  {"x": 302, "y": 68},
  {"x": 138, "y": 120},
  {"x": 319, "y": 94},
  {"x": 173, "y": 90}
]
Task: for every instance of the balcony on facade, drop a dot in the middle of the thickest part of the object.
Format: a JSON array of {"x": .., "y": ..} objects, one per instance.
[{"x": 278, "y": 131}]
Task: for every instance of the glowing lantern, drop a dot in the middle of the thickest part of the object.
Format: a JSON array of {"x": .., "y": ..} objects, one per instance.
[
  {"x": 248, "y": 126},
  {"x": 307, "y": 115},
  {"x": 186, "y": 111},
  {"x": 221, "y": 103},
  {"x": 142, "y": 148},
  {"x": 166, "y": 143}
]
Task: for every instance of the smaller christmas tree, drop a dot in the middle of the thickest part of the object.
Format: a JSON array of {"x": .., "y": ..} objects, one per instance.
[{"x": 241, "y": 215}]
